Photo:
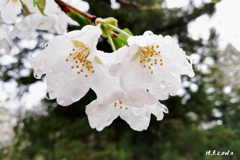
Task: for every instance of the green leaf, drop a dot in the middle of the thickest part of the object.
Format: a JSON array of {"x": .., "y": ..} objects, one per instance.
[
  {"x": 128, "y": 31},
  {"x": 41, "y": 5},
  {"x": 111, "y": 21},
  {"x": 121, "y": 40},
  {"x": 216, "y": 1},
  {"x": 82, "y": 21}
]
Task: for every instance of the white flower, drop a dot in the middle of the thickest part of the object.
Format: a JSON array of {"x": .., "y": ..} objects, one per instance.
[
  {"x": 114, "y": 4},
  {"x": 5, "y": 41},
  {"x": 9, "y": 10},
  {"x": 56, "y": 21},
  {"x": 101, "y": 115},
  {"x": 156, "y": 63},
  {"x": 70, "y": 63},
  {"x": 134, "y": 105},
  {"x": 79, "y": 4}
]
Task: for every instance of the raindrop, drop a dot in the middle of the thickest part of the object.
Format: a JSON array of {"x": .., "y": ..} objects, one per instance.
[
  {"x": 164, "y": 95},
  {"x": 75, "y": 95},
  {"x": 173, "y": 72},
  {"x": 46, "y": 44},
  {"x": 189, "y": 60},
  {"x": 50, "y": 70},
  {"x": 109, "y": 120},
  {"x": 165, "y": 109},
  {"x": 169, "y": 85},
  {"x": 148, "y": 33},
  {"x": 130, "y": 39},
  {"x": 47, "y": 96},
  {"x": 38, "y": 74},
  {"x": 163, "y": 84},
  {"x": 60, "y": 100},
  {"x": 72, "y": 78},
  {"x": 142, "y": 43},
  {"x": 56, "y": 83},
  {"x": 42, "y": 64},
  {"x": 176, "y": 60},
  {"x": 50, "y": 95}
]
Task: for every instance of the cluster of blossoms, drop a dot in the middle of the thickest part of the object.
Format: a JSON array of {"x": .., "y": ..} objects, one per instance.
[
  {"x": 51, "y": 18},
  {"x": 128, "y": 82},
  {"x": 6, "y": 42}
]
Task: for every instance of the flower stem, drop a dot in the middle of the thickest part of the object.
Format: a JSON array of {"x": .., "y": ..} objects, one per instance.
[
  {"x": 109, "y": 39},
  {"x": 65, "y": 7},
  {"x": 119, "y": 30},
  {"x": 111, "y": 42},
  {"x": 25, "y": 8}
]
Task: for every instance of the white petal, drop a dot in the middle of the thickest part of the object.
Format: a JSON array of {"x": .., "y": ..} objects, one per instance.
[
  {"x": 10, "y": 11},
  {"x": 100, "y": 122},
  {"x": 157, "y": 110},
  {"x": 98, "y": 107},
  {"x": 92, "y": 32},
  {"x": 137, "y": 118},
  {"x": 80, "y": 5},
  {"x": 66, "y": 86},
  {"x": 52, "y": 58},
  {"x": 5, "y": 39}
]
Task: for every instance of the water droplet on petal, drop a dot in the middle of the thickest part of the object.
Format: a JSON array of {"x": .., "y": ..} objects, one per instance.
[
  {"x": 47, "y": 96},
  {"x": 33, "y": 55},
  {"x": 163, "y": 84},
  {"x": 50, "y": 95},
  {"x": 56, "y": 83},
  {"x": 130, "y": 39},
  {"x": 148, "y": 33},
  {"x": 173, "y": 72},
  {"x": 38, "y": 74},
  {"x": 165, "y": 109},
  {"x": 42, "y": 64},
  {"x": 50, "y": 70},
  {"x": 60, "y": 100},
  {"x": 142, "y": 43},
  {"x": 75, "y": 95},
  {"x": 169, "y": 85}
]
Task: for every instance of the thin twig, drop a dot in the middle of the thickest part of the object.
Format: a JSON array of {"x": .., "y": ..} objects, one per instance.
[
  {"x": 145, "y": 7},
  {"x": 65, "y": 6}
]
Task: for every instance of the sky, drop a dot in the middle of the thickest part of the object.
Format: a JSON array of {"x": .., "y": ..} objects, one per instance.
[{"x": 226, "y": 21}]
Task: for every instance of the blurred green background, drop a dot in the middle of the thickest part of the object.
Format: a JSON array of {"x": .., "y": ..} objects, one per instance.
[{"x": 204, "y": 117}]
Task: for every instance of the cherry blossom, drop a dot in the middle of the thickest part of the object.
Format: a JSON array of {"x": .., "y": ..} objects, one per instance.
[
  {"x": 56, "y": 21},
  {"x": 136, "y": 112},
  {"x": 133, "y": 104},
  {"x": 156, "y": 63},
  {"x": 9, "y": 10},
  {"x": 70, "y": 63},
  {"x": 5, "y": 41}
]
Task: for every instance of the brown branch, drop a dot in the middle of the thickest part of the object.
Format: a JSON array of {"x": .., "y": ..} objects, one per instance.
[
  {"x": 145, "y": 7},
  {"x": 66, "y": 8}
]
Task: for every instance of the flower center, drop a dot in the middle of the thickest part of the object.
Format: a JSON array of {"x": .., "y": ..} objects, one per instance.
[
  {"x": 78, "y": 59},
  {"x": 150, "y": 56},
  {"x": 119, "y": 104}
]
